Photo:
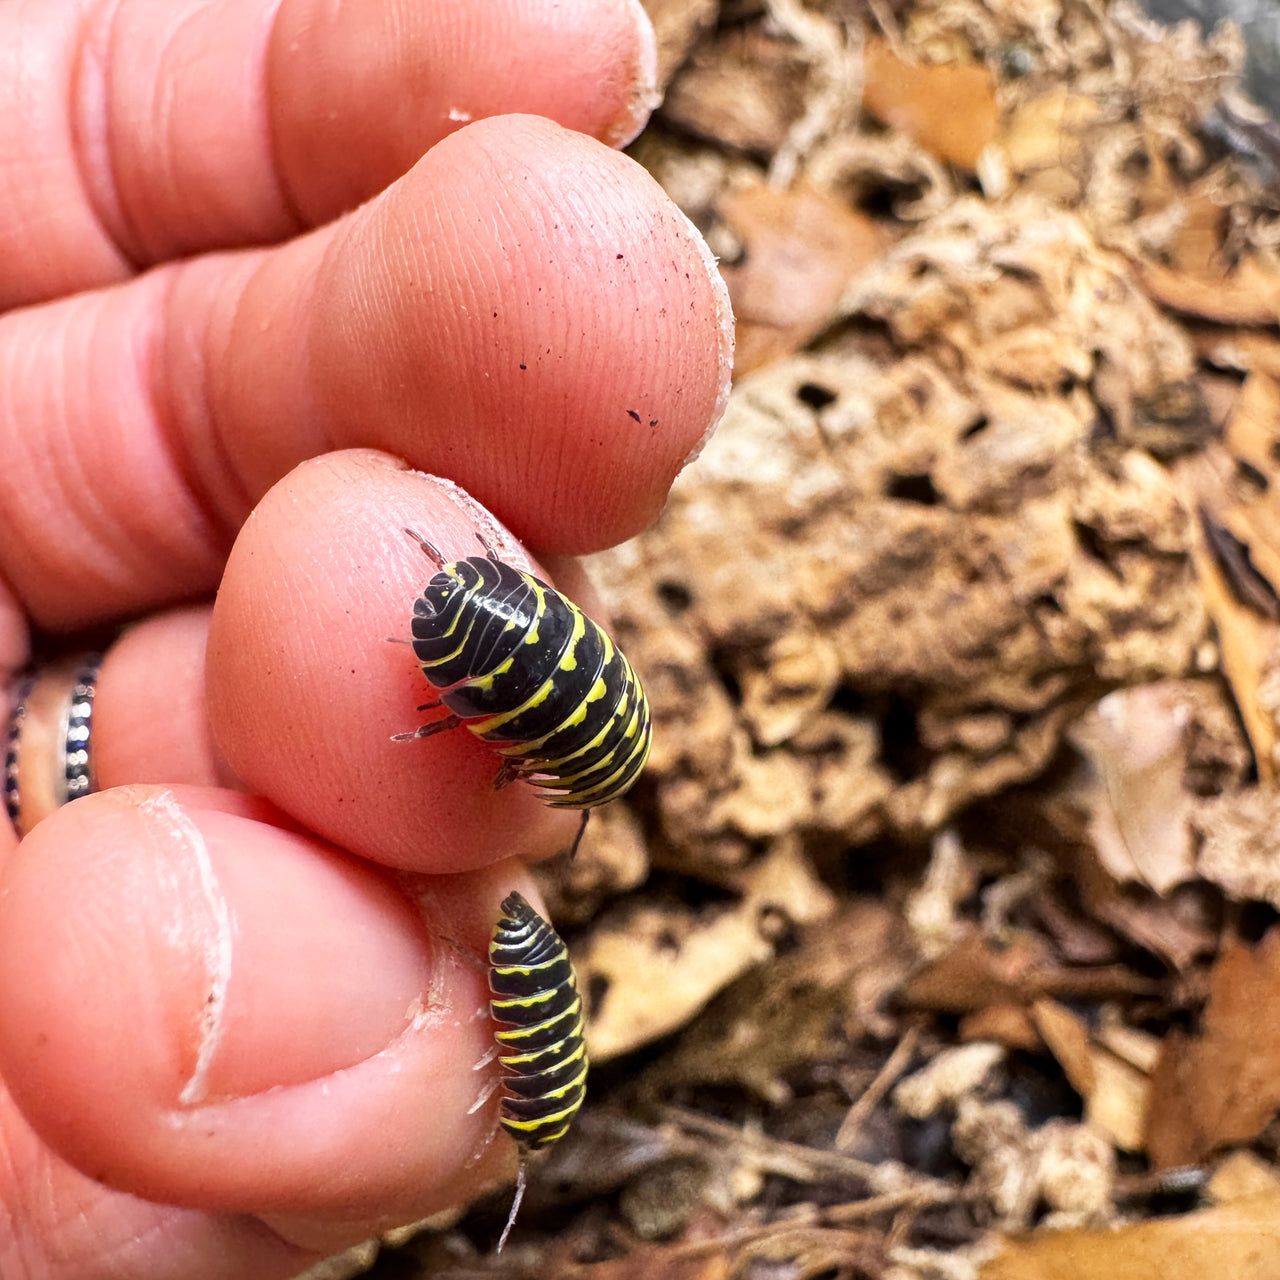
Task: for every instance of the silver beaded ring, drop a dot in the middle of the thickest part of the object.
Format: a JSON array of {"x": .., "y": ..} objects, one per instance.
[
  {"x": 59, "y": 697},
  {"x": 16, "y": 717},
  {"x": 77, "y": 762}
]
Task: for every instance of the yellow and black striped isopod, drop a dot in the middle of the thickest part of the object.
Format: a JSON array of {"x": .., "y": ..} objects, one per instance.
[
  {"x": 540, "y": 1041},
  {"x": 528, "y": 672}
]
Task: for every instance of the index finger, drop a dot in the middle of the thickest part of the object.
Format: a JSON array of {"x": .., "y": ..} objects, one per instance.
[{"x": 142, "y": 130}]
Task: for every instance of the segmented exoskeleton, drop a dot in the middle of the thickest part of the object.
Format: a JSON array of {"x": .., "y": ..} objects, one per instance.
[
  {"x": 527, "y": 671},
  {"x": 540, "y": 1040}
]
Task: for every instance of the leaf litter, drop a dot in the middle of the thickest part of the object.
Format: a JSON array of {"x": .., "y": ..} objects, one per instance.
[{"x": 939, "y": 941}]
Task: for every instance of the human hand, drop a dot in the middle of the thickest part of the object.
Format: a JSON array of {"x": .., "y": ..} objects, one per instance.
[{"x": 243, "y": 1004}]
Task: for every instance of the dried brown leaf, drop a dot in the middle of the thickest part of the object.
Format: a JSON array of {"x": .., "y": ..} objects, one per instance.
[
  {"x": 1117, "y": 1104},
  {"x": 974, "y": 974},
  {"x": 1240, "y": 1240},
  {"x": 652, "y": 970},
  {"x": 1006, "y": 1024},
  {"x": 743, "y": 89},
  {"x": 1068, "y": 1039},
  {"x": 801, "y": 249},
  {"x": 1233, "y": 538},
  {"x": 1043, "y": 134},
  {"x": 1248, "y": 293},
  {"x": 1242, "y": 1174},
  {"x": 1178, "y": 927},
  {"x": 1114, "y": 1092},
  {"x": 790, "y": 1011},
  {"x": 1136, "y": 742},
  {"x": 949, "y": 110},
  {"x": 1222, "y": 1086}
]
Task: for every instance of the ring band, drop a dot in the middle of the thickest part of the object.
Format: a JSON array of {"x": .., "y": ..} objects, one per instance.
[{"x": 48, "y": 759}]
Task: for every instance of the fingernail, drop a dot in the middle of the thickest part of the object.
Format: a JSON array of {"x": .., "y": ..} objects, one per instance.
[
  {"x": 299, "y": 961},
  {"x": 725, "y": 323},
  {"x": 644, "y": 92}
]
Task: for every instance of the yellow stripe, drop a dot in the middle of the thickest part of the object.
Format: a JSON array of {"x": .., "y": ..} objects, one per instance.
[
  {"x": 548, "y": 686},
  {"x": 462, "y": 616},
  {"x": 527, "y": 971},
  {"x": 507, "y": 1034},
  {"x": 516, "y": 1060},
  {"x": 543, "y": 1142},
  {"x": 525, "y": 1002},
  {"x": 529, "y": 1126},
  {"x": 633, "y": 743}
]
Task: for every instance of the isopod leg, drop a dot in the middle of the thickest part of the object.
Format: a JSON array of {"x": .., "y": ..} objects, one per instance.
[
  {"x": 521, "y": 1178},
  {"x": 509, "y": 772},
  {"x": 577, "y": 840},
  {"x": 427, "y": 730},
  {"x": 428, "y": 548}
]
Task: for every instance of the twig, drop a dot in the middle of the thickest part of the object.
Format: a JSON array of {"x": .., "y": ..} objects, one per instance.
[{"x": 874, "y": 1093}]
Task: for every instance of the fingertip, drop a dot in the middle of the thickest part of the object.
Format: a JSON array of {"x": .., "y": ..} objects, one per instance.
[
  {"x": 233, "y": 1016},
  {"x": 307, "y": 689},
  {"x": 535, "y": 319},
  {"x": 363, "y": 90}
]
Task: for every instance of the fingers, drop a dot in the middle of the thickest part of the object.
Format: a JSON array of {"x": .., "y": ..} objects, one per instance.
[
  {"x": 149, "y": 717},
  {"x": 148, "y": 129},
  {"x": 525, "y": 313},
  {"x": 305, "y": 690},
  {"x": 364, "y": 90},
  {"x": 236, "y": 1017}
]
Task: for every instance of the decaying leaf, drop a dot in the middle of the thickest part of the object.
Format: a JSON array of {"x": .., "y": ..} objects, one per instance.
[
  {"x": 743, "y": 89},
  {"x": 650, "y": 969},
  {"x": 1240, "y": 1175},
  {"x": 974, "y": 975},
  {"x": 1042, "y": 140},
  {"x": 1221, "y": 1086},
  {"x": 1240, "y": 1240},
  {"x": 653, "y": 970},
  {"x": 1178, "y": 927},
  {"x": 1247, "y": 292},
  {"x": 793, "y": 1010},
  {"x": 1115, "y": 1091},
  {"x": 800, "y": 250},
  {"x": 1240, "y": 845},
  {"x": 949, "y": 110},
  {"x": 1154, "y": 752}
]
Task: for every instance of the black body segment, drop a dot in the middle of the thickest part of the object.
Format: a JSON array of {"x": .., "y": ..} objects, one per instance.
[
  {"x": 528, "y": 672},
  {"x": 540, "y": 1035},
  {"x": 540, "y": 1039}
]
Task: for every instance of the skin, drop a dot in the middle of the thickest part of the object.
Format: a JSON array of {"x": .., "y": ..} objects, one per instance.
[{"x": 269, "y": 299}]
